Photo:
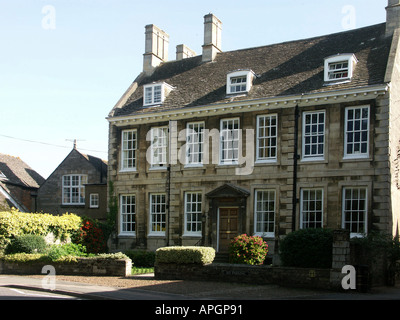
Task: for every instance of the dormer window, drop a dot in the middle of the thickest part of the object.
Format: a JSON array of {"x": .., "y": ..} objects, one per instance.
[
  {"x": 339, "y": 68},
  {"x": 155, "y": 94},
  {"x": 239, "y": 81}
]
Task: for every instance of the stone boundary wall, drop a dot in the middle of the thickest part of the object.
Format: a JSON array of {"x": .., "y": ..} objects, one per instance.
[
  {"x": 285, "y": 276},
  {"x": 83, "y": 267}
]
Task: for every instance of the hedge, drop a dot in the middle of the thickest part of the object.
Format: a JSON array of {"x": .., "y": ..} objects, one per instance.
[
  {"x": 185, "y": 255},
  {"x": 307, "y": 248},
  {"x": 15, "y": 223}
]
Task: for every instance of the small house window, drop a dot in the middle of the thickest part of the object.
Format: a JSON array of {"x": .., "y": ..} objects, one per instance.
[
  {"x": 239, "y": 81},
  {"x": 94, "y": 200},
  {"x": 339, "y": 68},
  {"x": 73, "y": 189}
]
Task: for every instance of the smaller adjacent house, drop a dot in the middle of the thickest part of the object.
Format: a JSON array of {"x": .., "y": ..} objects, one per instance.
[
  {"x": 78, "y": 185},
  {"x": 19, "y": 184}
]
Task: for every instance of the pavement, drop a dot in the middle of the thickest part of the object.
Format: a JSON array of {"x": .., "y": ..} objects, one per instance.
[{"x": 85, "y": 291}]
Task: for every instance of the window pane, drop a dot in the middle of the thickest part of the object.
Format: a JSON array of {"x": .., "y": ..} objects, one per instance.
[
  {"x": 355, "y": 210},
  {"x": 265, "y": 212},
  {"x": 357, "y": 131},
  {"x": 193, "y": 212},
  {"x": 128, "y": 212},
  {"x": 314, "y": 134},
  {"x": 312, "y": 208},
  {"x": 266, "y": 137},
  {"x": 157, "y": 213},
  {"x": 73, "y": 189},
  {"x": 229, "y": 141}
]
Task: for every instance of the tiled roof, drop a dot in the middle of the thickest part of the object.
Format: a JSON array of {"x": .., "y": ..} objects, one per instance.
[
  {"x": 17, "y": 172},
  {"x": 283, "y": 69}
]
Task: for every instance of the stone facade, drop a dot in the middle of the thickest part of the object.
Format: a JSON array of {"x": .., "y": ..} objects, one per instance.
[
  {"x": 50, "y": 195},
  {"x": 355, "y": 190}
]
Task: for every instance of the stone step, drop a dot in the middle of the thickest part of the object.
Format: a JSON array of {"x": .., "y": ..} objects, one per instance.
[{"x": 221, "y": 257}]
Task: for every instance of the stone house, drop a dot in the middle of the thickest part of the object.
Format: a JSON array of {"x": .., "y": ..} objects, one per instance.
[
  {"x": 19, "y": 184},
  {"x": 265, "y": 140},
  {"x": 78, "y": 185}
]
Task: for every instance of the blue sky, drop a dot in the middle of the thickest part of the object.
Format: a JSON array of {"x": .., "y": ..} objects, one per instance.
[{"x": 64, "y": 64}]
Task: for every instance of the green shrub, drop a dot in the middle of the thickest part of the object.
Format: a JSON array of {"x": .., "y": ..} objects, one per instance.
[
  {"x": 14, "y": 223},
  {"x": 142, "y": 258},
  {"x": 246, "y": 249},
  {"x": 108, "y": 256},
  {"x": 28, "y": 243},
  {"x": 184, "y": 255},
  {"x": 24, "y": 257},
  {"x": 307, "y": 248},
  {"x": 70, "y": 249}
]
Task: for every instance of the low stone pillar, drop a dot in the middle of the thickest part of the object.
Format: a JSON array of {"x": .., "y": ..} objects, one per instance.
[{"x": 340, "y": 256}]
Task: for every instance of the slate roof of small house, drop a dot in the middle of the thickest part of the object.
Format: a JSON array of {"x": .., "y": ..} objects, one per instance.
[
  {"x": 17, "y": 172},
  {"x": 282, "y": 69},
  {"x": 99, "y": 164}
]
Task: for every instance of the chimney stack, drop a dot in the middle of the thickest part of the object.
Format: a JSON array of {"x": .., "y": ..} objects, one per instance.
[
  {"x": 212, "y": 37},
  {"x": 183, "y": 52},
  {"x": 392, "y": 17},
  {"x": 156, "y": 48}
]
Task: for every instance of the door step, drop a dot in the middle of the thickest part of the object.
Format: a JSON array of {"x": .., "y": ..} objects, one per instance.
[{"x": 221, "y": 257}]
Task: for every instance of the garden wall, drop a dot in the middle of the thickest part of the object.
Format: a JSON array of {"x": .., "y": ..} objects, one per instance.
[
  {"x": 285, "y": 276},
  {"x": 83, "y": 267}
]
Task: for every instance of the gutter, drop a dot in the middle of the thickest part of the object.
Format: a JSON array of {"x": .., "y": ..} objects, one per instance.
[{"x": 302, "y": 100}]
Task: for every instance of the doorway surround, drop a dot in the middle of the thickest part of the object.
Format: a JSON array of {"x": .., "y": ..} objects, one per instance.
[{"x": 231, "y": 201}]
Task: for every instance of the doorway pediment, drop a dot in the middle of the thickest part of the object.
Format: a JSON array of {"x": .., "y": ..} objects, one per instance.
[{"x": 228, "y": 190}]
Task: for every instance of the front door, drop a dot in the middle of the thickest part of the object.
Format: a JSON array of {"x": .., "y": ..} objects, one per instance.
[{"x": 228, "y": 227}]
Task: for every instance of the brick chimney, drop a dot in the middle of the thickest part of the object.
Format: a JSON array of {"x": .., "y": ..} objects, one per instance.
[
  {"x": 212, "y": 37},
  {"x": 156, "y": 48},
  {"x": 392, "y": 17}
]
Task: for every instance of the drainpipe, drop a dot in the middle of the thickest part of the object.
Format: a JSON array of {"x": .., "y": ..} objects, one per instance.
[
  {"x": 295, "y": 159},
  {"x": 168, "y": 187}
]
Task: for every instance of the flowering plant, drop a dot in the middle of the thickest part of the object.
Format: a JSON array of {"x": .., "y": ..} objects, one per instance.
[
  {"x": 246, "y": 249},
  {"x": 91, "y": 236}
]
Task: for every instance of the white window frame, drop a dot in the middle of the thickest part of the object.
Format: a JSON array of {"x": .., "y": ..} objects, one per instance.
[
  {"x": 127, "y": 213},
  {"x": 94, "y": 200},
  {"x": 195, "y": 143},
  {"x": 241, "y": 87},
  {"x": 309, "y": 208},
  {"x": 159, "y": 147},
  {"x": 74, "y": 188},
  {"x": 129, "y": 150},
  {"x": 348, "y": 58},
  {"x": 311, "y": 135},
  {"x": 266, "y": 139},
  {"x": 363, "y": 130},
  {"x": 348, "y": 209},
  {"x": 263, "y": 211},
  {"x": 193, "y": 211},
  {"x": 229, "y": 142},
  {"x": 153, "y": 94},
  {"x": 158, "y": 214}
]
